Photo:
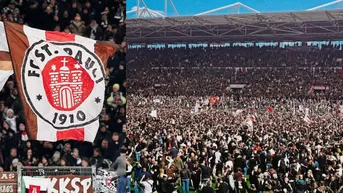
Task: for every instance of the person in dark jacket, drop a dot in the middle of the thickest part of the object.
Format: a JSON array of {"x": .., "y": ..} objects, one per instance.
[
  {"x": 223, "y": 187},
  {"x": 301, "y": 185},
  {"x": 96, "y": 159},
  {"x": 185, "y": 179},
  {"x": 207, "y": 189}
]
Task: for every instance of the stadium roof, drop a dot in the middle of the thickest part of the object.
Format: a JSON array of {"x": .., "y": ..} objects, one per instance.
[{"x": 285, "y": 26}]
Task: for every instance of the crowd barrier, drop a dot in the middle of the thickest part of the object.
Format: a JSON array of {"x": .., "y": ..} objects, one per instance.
[{"x": 56, "y": 179}]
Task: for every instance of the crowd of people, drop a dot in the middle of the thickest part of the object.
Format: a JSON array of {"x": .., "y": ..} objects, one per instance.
[
  {"x": 102, "y": 20},
  {"x": 211, "y": 71},
  {"x": 96, "y": 19},
  {"x": 275, "y": 125},
  {"x": 224, "y": 119}
]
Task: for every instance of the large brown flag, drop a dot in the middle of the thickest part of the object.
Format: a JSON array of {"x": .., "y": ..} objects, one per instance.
[{"x": 61, "y": 81}]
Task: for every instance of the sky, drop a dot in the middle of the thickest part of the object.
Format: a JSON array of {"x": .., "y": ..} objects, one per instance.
[{"x": 191, "y": 7}]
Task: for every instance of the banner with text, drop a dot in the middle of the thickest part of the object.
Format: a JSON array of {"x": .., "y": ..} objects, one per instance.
[
  {"x": 8, "y": 182},
  {"x": 57, "y": 184}
]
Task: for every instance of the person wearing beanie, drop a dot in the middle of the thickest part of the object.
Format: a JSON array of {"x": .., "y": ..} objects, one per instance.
[{"x": 12, "y": 120}]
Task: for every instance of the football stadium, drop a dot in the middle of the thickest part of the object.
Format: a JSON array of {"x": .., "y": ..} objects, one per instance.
[
  {"x": 237, "y": 102},
  {"x": 240, "y": 98}
]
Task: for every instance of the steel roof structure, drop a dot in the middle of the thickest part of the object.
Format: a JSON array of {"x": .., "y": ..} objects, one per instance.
[
  {"x": 290, "y": 26},
  {"x": 313, "y": 24}
]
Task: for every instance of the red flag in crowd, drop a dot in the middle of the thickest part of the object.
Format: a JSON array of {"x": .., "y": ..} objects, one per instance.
[{"x": 270, "y": 109}]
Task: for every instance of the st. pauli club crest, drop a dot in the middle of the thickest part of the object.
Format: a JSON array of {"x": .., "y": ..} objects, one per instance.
[{"x": 63, "y": 83}]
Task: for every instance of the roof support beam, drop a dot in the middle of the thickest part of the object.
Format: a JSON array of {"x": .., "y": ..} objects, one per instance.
[
  {"x": 325, "y": 5},
  {"x": 234, "y": 6}
]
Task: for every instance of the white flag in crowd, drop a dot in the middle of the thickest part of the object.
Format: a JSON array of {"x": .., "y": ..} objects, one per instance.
[
  {"x": 153, "y": 113},
  {"x": 6, "y": 69}
]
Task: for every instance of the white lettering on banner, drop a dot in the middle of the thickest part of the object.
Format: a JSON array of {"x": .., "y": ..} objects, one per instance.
[
  {"x": 63, "y": 185},
  {"x": 86, "y": 184},
  {"x": 67, "y": 185},
  {"x": 51, "y": 188},
  {"x": 4, "y": 188},
  {"x": 7, "y": 176},
  {"x": 73, "y": 185}
]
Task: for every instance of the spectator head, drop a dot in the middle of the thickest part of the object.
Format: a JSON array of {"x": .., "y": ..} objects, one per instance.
[
  {"x": 76, "y": 152},
  {"x": 87, "y": 4},
  {"x": 10, "y": 85},
  {"x": 14, "y": 152},
  {"x": 77, "y": 18},
  {"x": 21, "y": 21},
  {"x": 15, "y": 162},
  {"x": 74, "y": 5},
  {"x": 56, "y": 157},
  {"x": 104, "y": 16},
  {"x": 45, "y": 160},
  {"x": 14, "y": 92},
  {"x": 104, "y": 144},
  {"x": 28, "y": 144},
  {"x": 96, "y": 152},
  {"x": 22, "y": 127},
  {"x": 106, "y": 117},
  {"x": 94, "y": 22},
  {"x": 121, "y": 66},
  {"x": 10, "y": 113},
  {"x": 106, "y": 10},
  {"x": 103, "y": 128},
  {"x": 116, "y": 87},
  {"x": 123, "y": 152},
  {"x": 65, "y": 14},
  {"x": 63, "y": 162},
  {"x": 115, "y": 136},
  {"x": 85, "y": 11},
  {"x": 67, "y": 30},
  {"x": 67, "y": 147},
  {"x": 85, "y": 162},
  {"x": 57, "y": 28},
  {"x": 147, "y": 177},
  {"x": 29, "y": 153},
  {"x": 33, "y": 4},
  {"x": 48, "y": 10},
  {"x": 12, "y": 4}
]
